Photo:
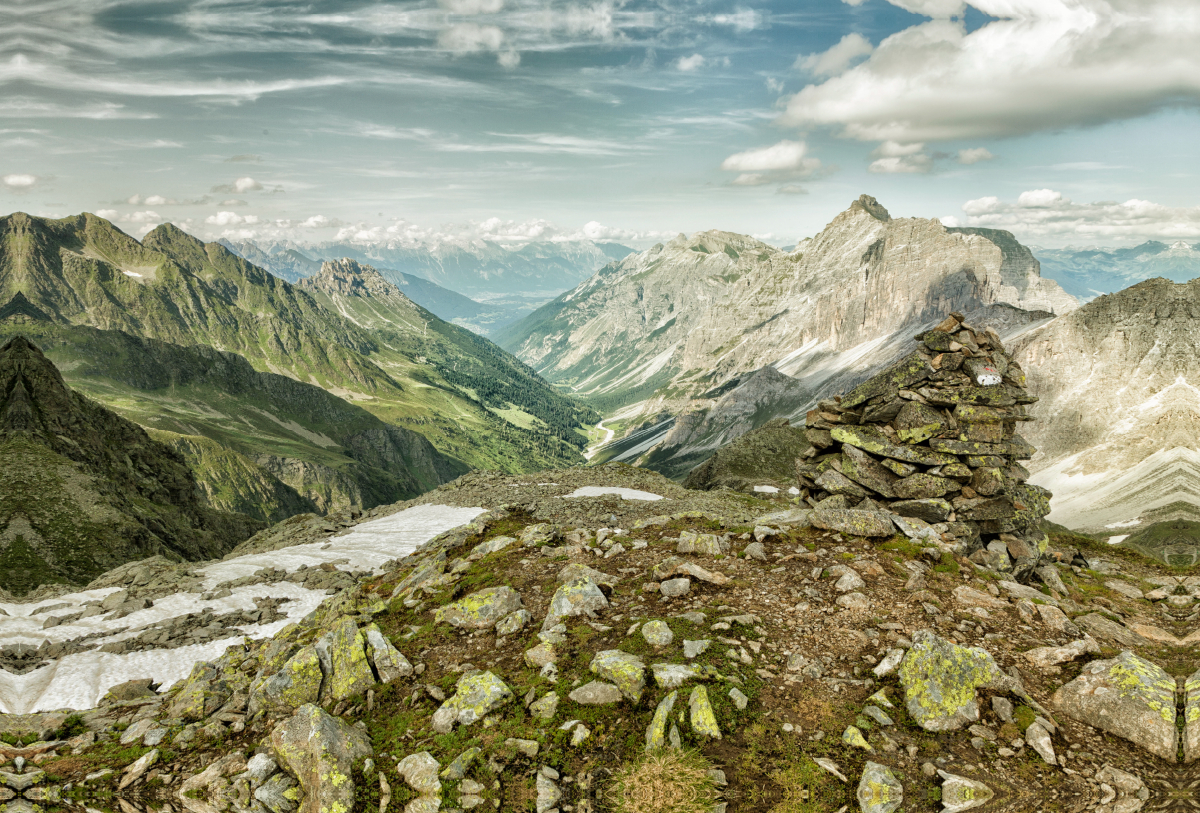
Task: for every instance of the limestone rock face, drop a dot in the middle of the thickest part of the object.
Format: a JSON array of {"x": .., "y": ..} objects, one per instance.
[
  {"x": 1126, "y": 696},
  {"x": 757, "y": 310},
  {"x": 1119, "y": 415},
  {"x": 320, "y": 752},
  {"x": 940, "y": 679}
]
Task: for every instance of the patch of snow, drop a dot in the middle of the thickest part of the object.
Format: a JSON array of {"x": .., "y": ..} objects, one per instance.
[
  {"x": 1116, "y": 540},
  {"x": 795, "y": 492},
  {"x": 79, "y": 680},
  {"x": 623, "y": 493},
  {"x": 131, "y": 273},
  {"x": 766, "y": 489}
]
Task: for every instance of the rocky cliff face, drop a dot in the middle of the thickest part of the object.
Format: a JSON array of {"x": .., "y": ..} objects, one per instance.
[
  {"x": 86, "y": 490},
  {"x": 1119, "y": 415},
  {"x": 695, "y": 318}
]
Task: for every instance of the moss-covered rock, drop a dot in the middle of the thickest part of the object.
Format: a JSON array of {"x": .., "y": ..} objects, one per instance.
[
  {"x": 203, "y": 694},
  {"x": 1126, "y": 696},
  {"x": 577, "y": 597},
  {"x": 940, "y": 679},
  {"x": 625, "y": 671},
  {"x": 320, "y": 751},
  {"x": 349, "y": 671},
  {"x": 297, "y": 682},
  {"x": 476, "y": 696},
  {"x": 482, "y": 609}
]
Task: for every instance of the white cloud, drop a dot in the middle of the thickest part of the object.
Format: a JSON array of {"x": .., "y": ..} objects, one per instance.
[
  {"x": 467, "y": 38},
  {"x": 107, "y": 214},
  {"x": 837, "y": 58},
  {"x": 854, "y": 2},
  {"x": 1043, "y": 65},
  {"x": 472, "y": 6},
  {"x": 1047, "y": 215},
  {"x": 691, "y": 63},
  {"x": 744, "y": 19},
  {"x": 317, "y": 222},
  {"x": 19, "y": 181},
  {"x": 974, "y": 155},
  {"x": 243, "y": 185},
  {"x": 786, "y": 155},
  {"x": 939, "y": 8},
  {"x": 224, "y": 219},
  {"x": 155, "y": 200},
  {"x": 892, "y": 157}
]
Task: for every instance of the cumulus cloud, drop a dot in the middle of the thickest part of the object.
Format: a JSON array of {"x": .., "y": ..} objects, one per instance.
[
  {"x": 1044, "y": 65},
  {"x": 19, "y": 181},
  {"x": 784, "y": 161},
  {"x": 472, "y": 6},
  {"x": 239, "y": 186},
  {"x": 472, "y": 38},
  {"x": 892, "y": 157},
  {"x": 691, "y": 63},
  {"x": 744, "y": 19},
  {"x": 837, "y": 58},
  {"x": 1048, "y": 215},
  {"x": 225, "y": 219},
  {"x": 974, "y": 155}
]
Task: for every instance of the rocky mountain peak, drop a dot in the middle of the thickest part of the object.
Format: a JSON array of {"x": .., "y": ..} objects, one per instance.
[
  {"x": 874, "y": 208},
  {"x": 347, "y": 277}
]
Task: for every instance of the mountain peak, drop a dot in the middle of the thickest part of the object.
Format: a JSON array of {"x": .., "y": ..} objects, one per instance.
[
  {"x": 349, "y": 277},
  {"x": 872, "y": 207}
]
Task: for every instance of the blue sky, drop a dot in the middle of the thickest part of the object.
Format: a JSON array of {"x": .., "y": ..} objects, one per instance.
[{"x": 1065, "y": 121}]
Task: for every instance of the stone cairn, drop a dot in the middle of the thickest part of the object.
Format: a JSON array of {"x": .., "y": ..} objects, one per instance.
[{"x": 929, "y": 447}]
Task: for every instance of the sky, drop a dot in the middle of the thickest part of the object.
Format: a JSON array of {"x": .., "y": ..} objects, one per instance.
[{"x": 1068, "y": 122}]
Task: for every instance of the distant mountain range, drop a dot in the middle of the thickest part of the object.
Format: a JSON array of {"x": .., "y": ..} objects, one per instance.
[
  {"x": 1090, "y": 272},
  {"x": 507, "y": 282},
  {"x": 695, "y": 342},
  {"x": 279, "y": 399}
]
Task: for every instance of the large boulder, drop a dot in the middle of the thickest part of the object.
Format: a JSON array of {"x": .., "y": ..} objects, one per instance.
[
  {"x": 1125, "y": 696},
  {"x": 204, "y": 693},
  {"x": 320, "y": 751},
  {"x": 940, "y": 679},
  {"x": 1191, "y": 719},
  {"x": 297, "y": 682},
  {"x": 626, "y": 672},
  {"x": 343, "y": 652},
  {"x": 476, "y": 696},
  {"x": 853, "y": 523},
  {"x": 482, "y": 609},
  {"x": 388, "y": 661},
  {"x": 577, "y": 597}
]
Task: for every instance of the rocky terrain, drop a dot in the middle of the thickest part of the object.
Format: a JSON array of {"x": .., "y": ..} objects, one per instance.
[
  {"x": 717, "y": 333},
  {"x": 86, "y": 490},
  {"x": 1119, "y": 412},
  {"x": 604, "y": 639}
]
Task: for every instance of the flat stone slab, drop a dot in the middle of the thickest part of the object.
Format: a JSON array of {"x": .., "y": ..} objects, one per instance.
[
  {"x": 853, "y": 523},
  {"x": 1126, "y": 696}
]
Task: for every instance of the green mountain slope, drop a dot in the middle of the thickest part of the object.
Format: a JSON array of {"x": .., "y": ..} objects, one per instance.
[
  {"x": 85, "y": 490},
  {"x": 260, "y": 443},
  {"x": 83, "y": 271}
]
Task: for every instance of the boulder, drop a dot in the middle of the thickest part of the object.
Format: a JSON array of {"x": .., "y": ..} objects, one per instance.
[
  {"x": 932, "y": 511},
  {"x": 1044, "y": 657},
  {"x": 388, "y": 661},
  {"x": 922, "y": 486},
  {"x": 1191, "y": 718},
  {"x": 344, "y": 651},
  {"x": 940, "y": 679},
  {"x": 476, "y": 696},
  {"x": 577, "y": 597},
  {"x": 1128, "y": 697},
  {"x": 700, "y": 710},
  {"x": 625, "y": 671},
  {"x": 657, "y": 633},
  {"x": 575, "y": 570},
  {"x": 656, "y": 734},
  {"x": 297, "y": 682},
  {"x": 207, "y": 791},
  {"x": 482, "y": 609},
  {"x": 853, "y": 523},
  {"x": 420, "y": 772},
  {"x": 320, "y": 751},
  {"x": 204, "y": 693},
  {"x": 960, "y": 793},
  {"x": 596, "y": 693},
  {"x": 879, "y": 791}
]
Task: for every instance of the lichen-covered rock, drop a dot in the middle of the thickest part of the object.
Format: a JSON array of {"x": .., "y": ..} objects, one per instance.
[
  {"x": 933, "y": 510},
  {"x": 1191, "y": 718},
  {"x": 625, "y": 671},
  {"x": 577, "y": 597},
  {"x": 656, "y": 734},
  {"x": 960, "y": 793},
  {"x": 922, "y": 486},
  {"x": 476, "y": 696},
  {"x": 705, "y": 544},
  {"x": 596, "y": 693},
  {"x": 279, "y": 794},
  {"x": 513, "y": 623},
  {"x": 546, "y": 708},
  {"x": 349, "y": 671},
  {"x": 700, "y": 712},
  {"x": 853, "y": 523},
  {"x": 420, "y": 772},
  {"x": 482, "y": 609},
  {"x": 203, "y": 694},
  {"x": 940, "y": 679},
  {"x": 879, "y": 791},
  {"x": 1125, "y": 696},
  {"x": 577, "y": 570},
  {"x": 297, "y": 682},
  {"x": 657, "y": 633},
  {"x": 491, "y": 546},
  {"x": 388, "y": 661},
  {"x": 207, "y": 791},
  {"x": 320, "y": 751}
]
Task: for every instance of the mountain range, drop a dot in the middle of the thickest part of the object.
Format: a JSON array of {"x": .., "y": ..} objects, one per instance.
[
  {"x": 1090, "y": 272},
  {"x": 277, "y": 401},
  {"x": 695, "y": 342}
]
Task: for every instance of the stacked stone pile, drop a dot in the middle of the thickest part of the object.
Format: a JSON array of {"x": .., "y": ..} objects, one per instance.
[{"x": 930, "y": 447}]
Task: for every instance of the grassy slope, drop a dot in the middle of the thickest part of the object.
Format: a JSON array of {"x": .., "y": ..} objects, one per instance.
[{"x": 195, "y": 293}]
